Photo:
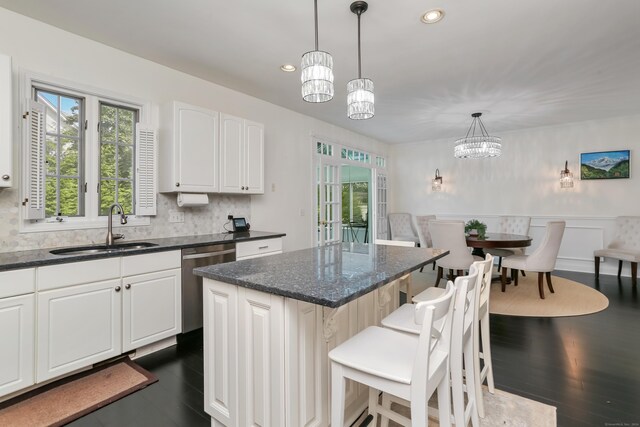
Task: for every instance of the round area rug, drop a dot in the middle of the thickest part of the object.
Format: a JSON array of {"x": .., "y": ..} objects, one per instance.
[{"x": 570, "y": 299}]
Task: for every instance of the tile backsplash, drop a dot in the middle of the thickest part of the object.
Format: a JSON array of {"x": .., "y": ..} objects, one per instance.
[{"x": 202, "y": 220}]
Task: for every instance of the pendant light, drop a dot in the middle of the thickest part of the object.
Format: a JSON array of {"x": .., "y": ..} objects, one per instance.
[
  {"x": 317, "y": 71},
  {"x": 360, "y": 100},
  {"x": 476, "y": 146}
]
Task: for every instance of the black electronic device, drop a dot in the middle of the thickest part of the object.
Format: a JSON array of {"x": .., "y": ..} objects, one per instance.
[{"x": 240, "y": 225}]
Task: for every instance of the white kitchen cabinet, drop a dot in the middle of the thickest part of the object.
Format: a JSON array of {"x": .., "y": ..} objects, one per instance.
[
  {"x": 17, "y": 334},
  {"x": 93, "y": 310},
  {"x": 242, "y": 155},
  {"x": 151, "y": 308},
  {"x": 258, "y": 248},
  {"x": 77, "y": 327},
  {"x": 6, "y": 123},
  {"x": 189, "y": 150}
]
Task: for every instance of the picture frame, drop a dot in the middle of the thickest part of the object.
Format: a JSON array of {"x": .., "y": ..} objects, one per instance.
[{"x": 614, "y": 164}]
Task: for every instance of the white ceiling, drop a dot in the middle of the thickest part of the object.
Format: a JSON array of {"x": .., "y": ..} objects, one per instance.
[{"x": 523, "y": 63}]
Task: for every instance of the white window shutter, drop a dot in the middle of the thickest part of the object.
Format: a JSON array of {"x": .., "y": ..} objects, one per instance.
[
  {"x": 146, "y": 160},
  {"x": 34, "y": 160}
]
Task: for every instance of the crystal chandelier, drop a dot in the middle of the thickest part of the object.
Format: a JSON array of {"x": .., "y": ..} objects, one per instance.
[
  {"x": 476, "y": 146},
  {"x": 317, "y": 71},
  {"x": 566, "y": 177},
  {"x": 360, "y": 99}
]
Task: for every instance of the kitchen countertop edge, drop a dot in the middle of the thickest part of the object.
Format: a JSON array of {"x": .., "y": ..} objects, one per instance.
[{"x": 42, "y": 257}]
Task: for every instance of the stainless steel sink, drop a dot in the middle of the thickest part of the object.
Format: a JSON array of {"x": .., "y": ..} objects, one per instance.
[{"x": 96, "y": 249}]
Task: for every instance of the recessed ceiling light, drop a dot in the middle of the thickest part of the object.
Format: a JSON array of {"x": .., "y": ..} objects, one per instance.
[
  {"x": 288, "y": 68},
  {"x": 432, "y": 16}
]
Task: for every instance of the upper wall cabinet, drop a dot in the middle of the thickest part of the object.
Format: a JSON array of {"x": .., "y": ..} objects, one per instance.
[
  {"x": 242, "y": 155},
  {"x": 6, "y": 123},
  {"x": 189, "y": 150}
]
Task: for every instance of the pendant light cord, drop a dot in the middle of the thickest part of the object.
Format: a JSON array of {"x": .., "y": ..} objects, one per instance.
[
  {"x": 315, "y": 13},
  {"x": 359, "y": 55}
]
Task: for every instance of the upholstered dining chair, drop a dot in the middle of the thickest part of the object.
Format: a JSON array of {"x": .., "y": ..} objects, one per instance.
[
  {"x": 401, "y": 227},
  {"x": 449, "y": 235},
  {"x": 624, "y": 247},
  {"x": 422, "y": 224},
  {"x": 542, "y": 260},
  {"x": 511, "y": 225},
  {"x": 406, "y": 279}
]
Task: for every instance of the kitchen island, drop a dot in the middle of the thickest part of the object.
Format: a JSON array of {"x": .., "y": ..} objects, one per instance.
[{"x": 269, "y": 324}]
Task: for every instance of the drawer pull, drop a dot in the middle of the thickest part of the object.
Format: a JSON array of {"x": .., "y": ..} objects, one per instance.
[{"x": 263, "y": 247}]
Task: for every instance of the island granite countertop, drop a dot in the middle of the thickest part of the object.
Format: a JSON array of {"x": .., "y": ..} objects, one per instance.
[
  {"x": 39, "y": 257},
  {"x": 329, "y": 275}
]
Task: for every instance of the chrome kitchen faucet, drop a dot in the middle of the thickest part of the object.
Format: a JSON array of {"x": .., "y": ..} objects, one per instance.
[{"x": 123, "y": 220}]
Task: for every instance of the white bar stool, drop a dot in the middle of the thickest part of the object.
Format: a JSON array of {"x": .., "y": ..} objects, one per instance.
[
  {"x": 411, "y": 367},
  {"x": 464, "y": 344}
]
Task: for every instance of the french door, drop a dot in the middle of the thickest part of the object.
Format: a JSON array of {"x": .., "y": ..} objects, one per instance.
[{"x": 328, "y": 202}]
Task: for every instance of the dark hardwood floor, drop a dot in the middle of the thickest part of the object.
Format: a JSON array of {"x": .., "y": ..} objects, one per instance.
[{"x": 586, "y": 366}]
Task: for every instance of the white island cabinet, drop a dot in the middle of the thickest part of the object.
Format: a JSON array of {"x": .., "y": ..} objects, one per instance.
[
  {"x": 270, "y": 323},
  {"x": 17, "y": 335}
]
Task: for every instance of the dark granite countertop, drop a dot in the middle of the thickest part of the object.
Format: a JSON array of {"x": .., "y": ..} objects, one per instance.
[
  {"x": 39, "y": 257},
  {"x": 329, "y": 275}
]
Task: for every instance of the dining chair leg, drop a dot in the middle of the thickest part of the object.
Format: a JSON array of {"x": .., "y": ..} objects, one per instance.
[
  {"x": 460, "y": 273},
  {"x": 540, "y": 288},
  {"x": 440, "y": 271},
  {"x": 499, "y": 263},
  {"x": 434, "y": 265},
  {"x": 596, "y": 263},
  {"x": 523, "y": 273},
  {"x": 548, "y": 274},
  {"x": 514, "y": 273},
  {"x": 451, "y": 274},
  {"x": 421, "y": 268},
  {"x": 634, "y": 273},
  {"x": 619, "y": 268},
  {"x": 503, "y": 279}
]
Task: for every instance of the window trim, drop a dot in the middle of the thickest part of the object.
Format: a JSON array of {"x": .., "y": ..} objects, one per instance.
[{"x": 92, "y": 96}]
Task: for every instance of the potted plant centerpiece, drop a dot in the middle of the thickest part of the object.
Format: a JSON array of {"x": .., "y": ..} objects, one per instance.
[{"x": 476, "y": 228}]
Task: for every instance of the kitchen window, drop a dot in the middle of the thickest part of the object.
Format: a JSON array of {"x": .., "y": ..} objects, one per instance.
[{"x": 84, "y": 151}]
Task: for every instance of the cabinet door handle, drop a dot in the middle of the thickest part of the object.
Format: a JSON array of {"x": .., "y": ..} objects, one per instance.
[
  {"x": 127, "y": 286},
  {"x": 243, "y": 187},
  {"x": 5, "y": 177},
  {"x": 177, "y": 184},
  {"x": 118, "y": 288},
  {"x": 263, "y": 247}
]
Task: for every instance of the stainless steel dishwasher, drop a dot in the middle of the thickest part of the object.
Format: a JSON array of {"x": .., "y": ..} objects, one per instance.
[{"x": 192, "y": 285}]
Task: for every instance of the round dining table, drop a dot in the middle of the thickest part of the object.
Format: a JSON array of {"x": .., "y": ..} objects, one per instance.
[{"x": 497, "y": 240}]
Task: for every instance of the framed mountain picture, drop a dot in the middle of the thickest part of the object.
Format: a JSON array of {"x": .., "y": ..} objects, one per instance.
[{"x": 604, "y": 165}]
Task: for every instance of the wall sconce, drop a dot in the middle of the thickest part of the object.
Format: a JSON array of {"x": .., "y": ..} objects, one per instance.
[
  {"x": 566, "y": 177},
  {"x": 436, "y": 184}
]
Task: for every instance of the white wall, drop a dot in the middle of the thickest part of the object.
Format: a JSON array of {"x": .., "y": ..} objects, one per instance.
[
  {"x": 41, "y": 48},
  {"x": 525, "y": 181}
]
